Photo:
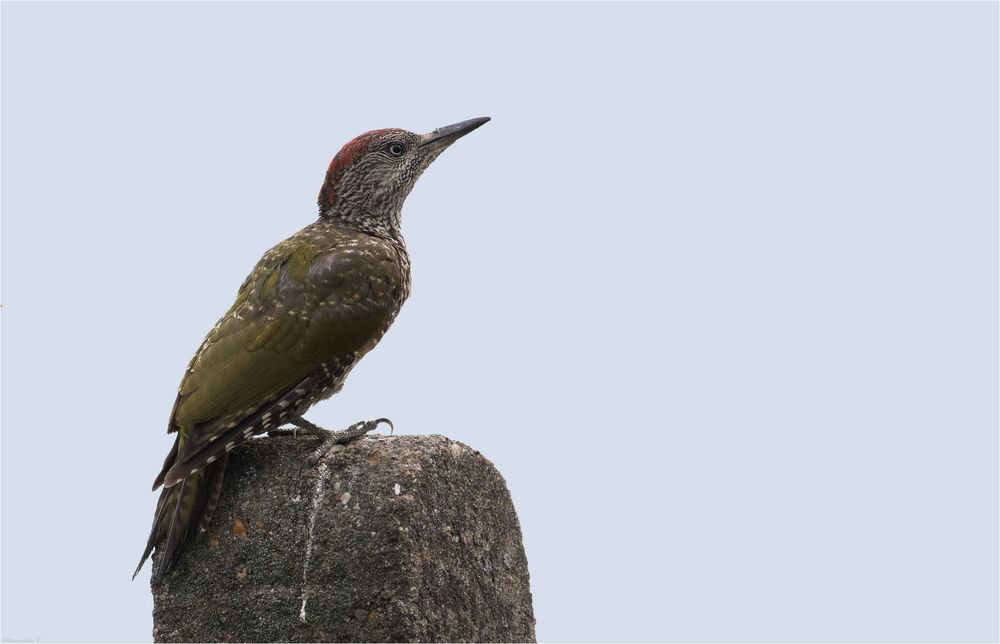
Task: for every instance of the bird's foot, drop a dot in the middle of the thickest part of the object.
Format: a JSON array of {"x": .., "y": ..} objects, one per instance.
[
  {"x": 302, "y": 428},
  {"x": 294, "y": 432},
  {"x": 333, "y": 439}
]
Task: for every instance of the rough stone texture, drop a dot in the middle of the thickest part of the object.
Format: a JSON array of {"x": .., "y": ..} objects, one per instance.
[{"x": 406, "y": 538}]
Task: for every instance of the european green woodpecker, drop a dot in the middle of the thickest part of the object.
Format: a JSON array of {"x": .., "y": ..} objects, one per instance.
[{"x": 310, "y": 309}]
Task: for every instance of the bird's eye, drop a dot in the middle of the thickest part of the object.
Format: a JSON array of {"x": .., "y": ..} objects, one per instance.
[{"x": 396, "y": 149}]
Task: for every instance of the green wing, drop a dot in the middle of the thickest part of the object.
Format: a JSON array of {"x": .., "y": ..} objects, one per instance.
[{"x": 302, "y": 311}]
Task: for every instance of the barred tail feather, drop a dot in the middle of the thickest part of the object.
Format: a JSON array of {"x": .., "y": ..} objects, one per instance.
[
  {"x": 215, "y": 475},
  {"x": 180, "y": 512}
]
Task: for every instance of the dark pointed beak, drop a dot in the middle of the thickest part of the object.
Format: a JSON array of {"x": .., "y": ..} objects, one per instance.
[{"x": 450, "y": 133}]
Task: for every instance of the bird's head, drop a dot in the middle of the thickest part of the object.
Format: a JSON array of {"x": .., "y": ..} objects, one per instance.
[{"x": 373, "y": 173}]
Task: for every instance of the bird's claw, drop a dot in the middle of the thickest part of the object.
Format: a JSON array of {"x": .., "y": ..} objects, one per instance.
[
  {"x": 342, "y": 437},
  {"x": 379, "y": 421}
]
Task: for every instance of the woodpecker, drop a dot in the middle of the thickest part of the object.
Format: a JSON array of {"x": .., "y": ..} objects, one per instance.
[{"x": 310, "y": 309}]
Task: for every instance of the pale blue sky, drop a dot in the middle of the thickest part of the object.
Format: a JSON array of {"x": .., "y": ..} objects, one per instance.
[{"x": 716, "y": 290}]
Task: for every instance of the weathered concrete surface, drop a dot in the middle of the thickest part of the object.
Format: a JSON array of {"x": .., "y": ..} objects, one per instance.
[{"x": 405, "y": 538}]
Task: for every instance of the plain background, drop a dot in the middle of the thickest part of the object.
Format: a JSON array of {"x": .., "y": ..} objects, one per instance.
[{"x": 716, "y": 290}]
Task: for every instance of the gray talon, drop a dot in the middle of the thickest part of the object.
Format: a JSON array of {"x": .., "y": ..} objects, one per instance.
[{"x": 331, "y": 439}]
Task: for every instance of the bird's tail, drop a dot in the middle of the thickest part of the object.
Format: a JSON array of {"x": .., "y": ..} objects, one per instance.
[{"x": 183, "y": 511}]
